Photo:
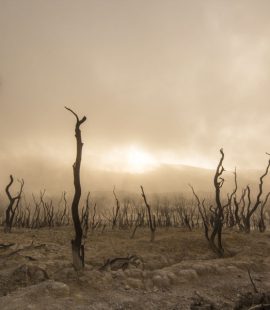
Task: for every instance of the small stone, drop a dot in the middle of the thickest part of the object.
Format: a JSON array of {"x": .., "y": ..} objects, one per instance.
[
  {"x": 58, "y": 288},
  {"x": 135, "y": 283},
  {"x": 161, "y": 282}
]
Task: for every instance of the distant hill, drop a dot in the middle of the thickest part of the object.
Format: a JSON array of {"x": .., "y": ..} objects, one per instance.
[{"x": 56, "y": 177}]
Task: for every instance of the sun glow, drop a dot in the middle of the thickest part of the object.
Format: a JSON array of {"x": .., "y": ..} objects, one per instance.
[
  {"x": 131, "y": 159},
  {"x": 134, "y": 159},
  {"x": 138, "y": 161}
]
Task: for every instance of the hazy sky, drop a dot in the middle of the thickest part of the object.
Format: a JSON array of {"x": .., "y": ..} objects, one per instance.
[{"x": 159, "y": 81}]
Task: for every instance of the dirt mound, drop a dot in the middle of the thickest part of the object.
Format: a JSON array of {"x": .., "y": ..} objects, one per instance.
[{"x": 170, "y": 273}]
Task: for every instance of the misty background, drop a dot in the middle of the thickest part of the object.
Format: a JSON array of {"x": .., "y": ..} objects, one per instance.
[{"x": 173, "y": 80}]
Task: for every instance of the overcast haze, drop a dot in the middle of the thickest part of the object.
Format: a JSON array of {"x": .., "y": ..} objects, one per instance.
[{"x": 161, "y": 82}]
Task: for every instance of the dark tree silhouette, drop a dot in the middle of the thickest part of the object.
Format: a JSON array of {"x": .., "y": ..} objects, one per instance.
[
  {"x": 115, "y": 214},
  {"x": 151, "y": 218},
  {"x": 214, "y": 237},
  {"x": 76, "y": 244},
  {"x": 218, "y": 212},
  {"x": 259, "y": 203},
  {"x": 13, "y": 204}
]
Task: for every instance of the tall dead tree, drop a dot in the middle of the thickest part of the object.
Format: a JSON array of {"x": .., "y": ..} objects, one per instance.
[
  {"x": 230, "y": 220},
  {"x": 258, "y": 203},
  {"x": 218, "y": 212},
  {"x": 115, "y": 214},
  {"x": 261, "y": 222},
  {"x": 64, "y": 216},
  {"x": 151, "y": 218},
  {"x": 12, "y": 205},
  {"x": 203, "y": 214},
  {"x": 214, "y": 237},
  {"x": 76, "y": 243},
  {"x": 239, "y": 212}
]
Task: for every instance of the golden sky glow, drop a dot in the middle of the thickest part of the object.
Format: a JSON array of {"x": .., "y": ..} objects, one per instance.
[
  {"x": 134, "y": 159},
  {"x": 161, "y": 82},
  {"x": 130, "y": 159}
]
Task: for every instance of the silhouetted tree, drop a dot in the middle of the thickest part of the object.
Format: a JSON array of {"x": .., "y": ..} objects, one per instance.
[
  {"x": 259, "y": 203},
  {"x": 151, "y": 218},
  {"x": 115, "y": 214},
  {"x": 13, "y": 204},
  {"x": 216, "y": 219},
  {"x": 85, "y": 217},
  {"x": 77, "y": 246},
  {"x": 218, "y": 211}
]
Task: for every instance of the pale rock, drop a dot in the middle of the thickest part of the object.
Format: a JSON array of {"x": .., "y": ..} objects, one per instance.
[
  {"x": 161, "y": 282},
  {"x": 135, "y": 283}
]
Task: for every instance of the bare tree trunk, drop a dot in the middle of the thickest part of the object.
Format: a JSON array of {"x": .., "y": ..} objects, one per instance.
[
  {"x": 77, "y": 247},
  {"x": 10, "y": 211},
  {"x": 202, "y": 214},
  {"x": 115, "y": 216},
  {"x": 218, "y": 213},
  {"x": 261, "y": 224},
  {"x": 138, "y": 222},
  {"x": 215, "y": 238},
  {"x": 258, "y": 202},
  {"x": 152, "y": 221}
]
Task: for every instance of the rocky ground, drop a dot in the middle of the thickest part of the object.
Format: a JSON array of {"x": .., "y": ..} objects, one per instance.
[{"x": 177, "y": 271}]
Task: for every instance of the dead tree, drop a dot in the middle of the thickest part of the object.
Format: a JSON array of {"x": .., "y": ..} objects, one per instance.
[
  {"x": 94, "y": 223},
  {"x": 64, "y": 214},
  {"x": 44, "y": 210},
  {"x": 11, "y": 209},
  {"x": 218, "y": 212},
  {"x": 137, "y": 224},
  {"x": 67, "y": 214},
  {"x": 36, "y": 223},
  {"x": 214, "y": 237},
  {"x": 152, "y": 221},
  {"x": 76, "y": 243},
  {"x": 261, "y": 222},
  {"x": 237, "y": 204},
  {"x": 85, "y": 217},
  {"x": 50, "y": 214},
  {"x": 258, "y": 203},
  {"x": 115, "y": 214},
  {"x": 202, "y": 212},
  {"x": 27, "y": 216},
  {"x": 230, "y": 214}
]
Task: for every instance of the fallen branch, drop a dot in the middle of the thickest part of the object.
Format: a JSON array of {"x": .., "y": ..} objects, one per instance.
[{"x": 121, "y": 263}]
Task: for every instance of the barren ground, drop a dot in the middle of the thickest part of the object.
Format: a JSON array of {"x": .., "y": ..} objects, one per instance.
[{"x": 177, "y": 271}]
